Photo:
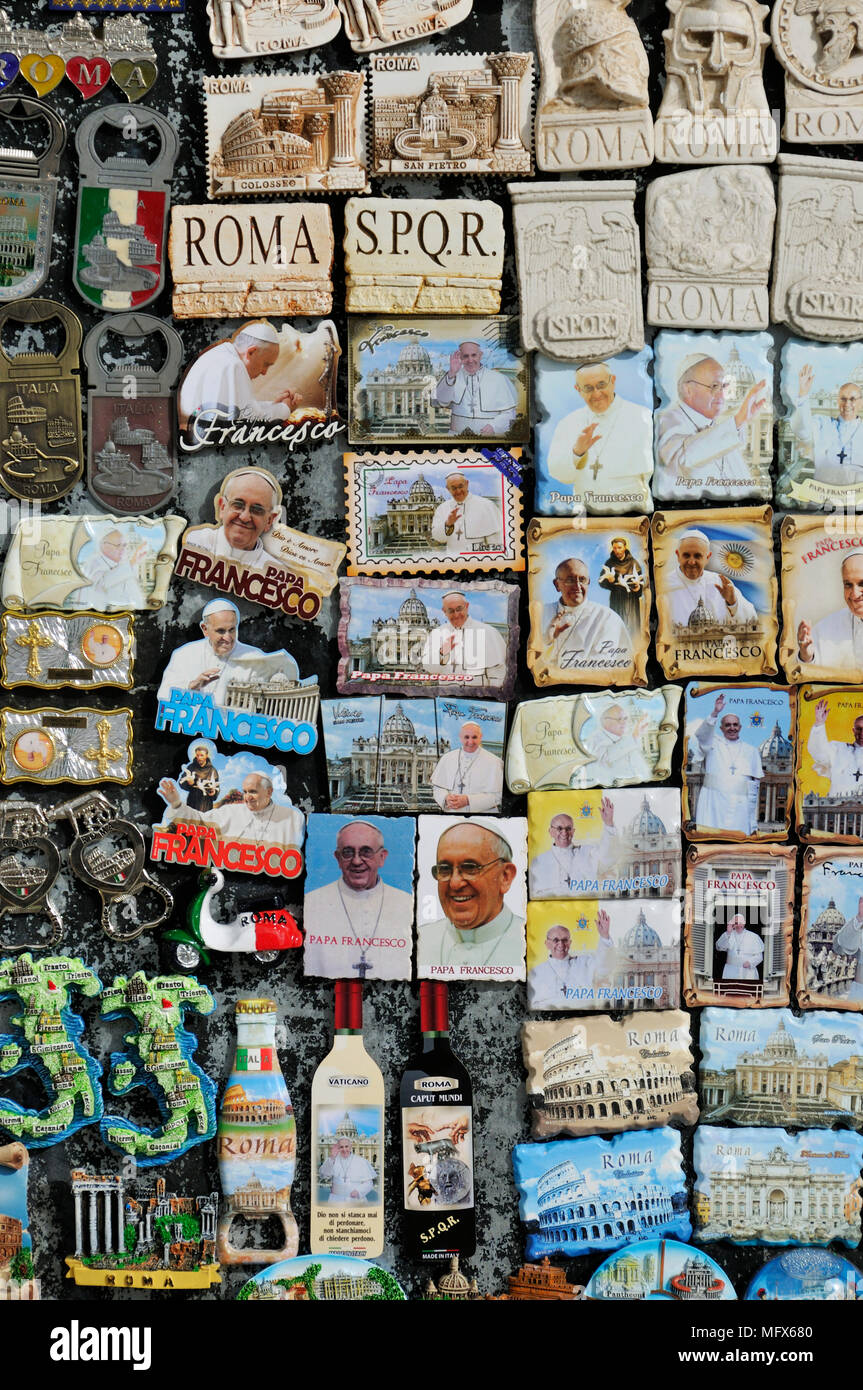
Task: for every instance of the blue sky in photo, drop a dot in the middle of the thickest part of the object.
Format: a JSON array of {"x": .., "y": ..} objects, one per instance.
[
  {"x": 398, "y": 833},
  {"x": 757, "y": 710}
]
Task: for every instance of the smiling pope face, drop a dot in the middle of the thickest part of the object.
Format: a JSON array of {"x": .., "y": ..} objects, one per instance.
[{"x": 471, "y": 902}]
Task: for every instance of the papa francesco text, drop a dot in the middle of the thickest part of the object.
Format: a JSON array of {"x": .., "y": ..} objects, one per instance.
[
  {"x": 199, "y": 844},
  {"x": 195, "y": 715}
]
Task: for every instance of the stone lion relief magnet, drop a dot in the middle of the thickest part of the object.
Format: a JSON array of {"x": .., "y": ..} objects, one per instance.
[
  {"x": 817, "y": 280},
  {"x": 593, "y": 108},
  {"x": 819, "y": 46},
  {"x": 822, "y": 601}
]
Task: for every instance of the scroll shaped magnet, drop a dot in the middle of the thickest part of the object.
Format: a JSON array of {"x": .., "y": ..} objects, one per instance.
[
  {"x": 122, "y": 213},
  {"x": 28, "y": 193},
  {"x": 108, "y": 855},
  {"x": 41, "y": 436},
  {"x": 131, "y": 456}
]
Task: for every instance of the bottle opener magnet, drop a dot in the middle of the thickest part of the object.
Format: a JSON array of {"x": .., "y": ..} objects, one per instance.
[
  {"x": 122, "y": 212},
  {"x": 131, "y": 456},
  {"x": 28, "y": 193},
  {"x": 41, "y": 436},
  {"x": 29, "y": 865},
  {"x": 117, "y": 874}
]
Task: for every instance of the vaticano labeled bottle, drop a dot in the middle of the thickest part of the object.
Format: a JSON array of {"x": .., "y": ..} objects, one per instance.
[
  {"x": 347, "y": 1216},
  {"x": 437, "y": 1140}
]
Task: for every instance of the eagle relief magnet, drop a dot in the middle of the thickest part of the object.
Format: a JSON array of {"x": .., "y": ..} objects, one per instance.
[
  {"x": 119, "y": 259},
  {"x": 28, "y": 193},
  {"x": 131, "y": 454},
  {"x": 829, "y": 738},
  {"x": 41, "y": 435}
]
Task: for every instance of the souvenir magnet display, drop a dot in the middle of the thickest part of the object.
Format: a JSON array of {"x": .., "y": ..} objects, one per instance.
[
  {"x": 256, "y": 1117},
  {"x": 820, "y": 442},
  {"x": 158, "y": 1055},
  {"x": 482, "y": 109},
  {"x": 780, "y": 1069},
  {"x": 714, "y": 427},
  {"x": 347, "y": 1202},
  {"x": 335, "y": 1278},
  {"x": 263, "y": 928},
  {"x": 140, "y": 1235},
  {"x": 697, "y": 279},
  {"x": 426, "y": 638},
  {"x": 253, "y": 259},
  {"x": 430, "y": 380},
  {"x": 659, "y": 1269},
  {"x": 415, "y": 513},
  {"x": 255, "y": 28},
  {"x": 122, "y": 52},
  {"x": 822, "y": 600},
  {"x": 47, "y": 1040},
  {"x": 50, "y": 650},
  {"x": 220, "y": 687},
  {"x": 29, "y": 865},
  {"x": 131, "y": 453},
  {"x": 229, "y": 813},
  {"x": 454, "y": 248},
  {"x": 28, "y": 193},
  {"x": 372, "y": 24},
  {"x": 108, "y": 854},
  {"x": 358, "y": 907},
  {"x": 579, "y": 267},
  {"x": 738, "y": 761},
  {"x": 123, "y": 203},
  {"x": 634, "y": 1183},
  {"x": 830, "y": 964},
  {"x": 66, "y": 745},
  {"x": 593, "y": 110},
  {"x": 251, "y": 553},
  {"x": 829, "y": 737},
  {"x": 604, "y": 844},
  {"x": 414, "y": 755},
  {"x": 302, "y": 135},
  {"x": 806, "y": 1274},
  {"x": 739, "y": 916},
  {"x": 816, "y": 267},
  {"x": 819, "y": 48},
  {"x": 225, "y": 401},
  {"x": 82, "y": 563},
  {"x": 715, "y": 592},
  {"x": 605, "y": 739},
  {"x": 477, "y": 933},
  {"x": 714, "y": 108},
  {"x": 599, "y": 1076},
  {"x": 596, "y": 457},
  {"x": 768, "y": 1187},
  {"x": 17, "y": 1272},
  {"x": 541, "y": 1282},
  {"x": 588, "y": 641},
  {"x": 598, "y": 954},
  {"x": 42, "y": 454}
]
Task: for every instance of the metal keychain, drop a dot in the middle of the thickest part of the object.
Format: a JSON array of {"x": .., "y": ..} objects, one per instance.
[
  {"x": 119, "y": 878},
  {"x": 28, "y": 194},
  {"x": 41, "y": 436},
  {"x": 131, "y": 452},
  {"x": 25, "y": 888},
  {"x": 122, "y": 205}
]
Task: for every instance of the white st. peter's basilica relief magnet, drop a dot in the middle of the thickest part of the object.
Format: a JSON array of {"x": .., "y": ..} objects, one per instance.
[{"x": 822, "y": 600}]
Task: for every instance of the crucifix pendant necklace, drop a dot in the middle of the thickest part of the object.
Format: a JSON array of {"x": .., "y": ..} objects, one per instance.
[{"x": 362, "y": 966}]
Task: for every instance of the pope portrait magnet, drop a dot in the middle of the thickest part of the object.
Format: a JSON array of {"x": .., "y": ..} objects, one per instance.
[
  {"x": 822, "y": 599},
  {"x": 829, "y": 803}
]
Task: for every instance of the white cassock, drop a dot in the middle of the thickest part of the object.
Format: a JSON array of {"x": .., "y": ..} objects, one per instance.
[
  {"x": 682, "y": 596},
  {"x": 378, "y": 915},
  {"x": 848, "y": 941},
  {"x": 745, "y": 952},
  {"x": 558, "y": 984},
  {"x": 838, "y": 641},
  {"x": 841, "y": 762},
  {"x": 498, "y": 942},
  {"x": 213, "y": 541},
  {"x": 618, "y": 758},
  {"x": 476, "y": 525},
  {"x": 590, "y": 637},
  {"x": 834, "y": 445},
  {"x": 474, "y": 650},
  {"x": 485, "y": 398},
  {"x": 113, "y": 584},
  {"x": 728, "y": 798},
  {"x": 190, "y": 661},
  {"x": 621, "y": 459},
  {"x": 347, "y": 1175},
  {"x": 275, "y": 825},
  {"x": 218, "y": 382},
  {"x": 569, "y": 871},
  {"x": 478, "y": 776},
  {"x": 705, "y": 449}
]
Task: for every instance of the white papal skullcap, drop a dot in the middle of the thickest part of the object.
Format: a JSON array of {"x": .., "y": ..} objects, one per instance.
[
  {"x": 693, "y": 360},
  {"x": 218, "y": 605},
  {"x": 694, "y": 535},
  {"x": 262, "y": 332}
]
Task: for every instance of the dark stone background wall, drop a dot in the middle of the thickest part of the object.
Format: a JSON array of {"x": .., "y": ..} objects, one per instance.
[{"x": 485, "y": 1018}]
